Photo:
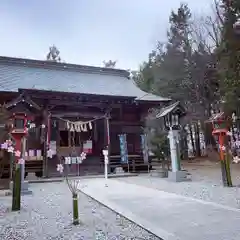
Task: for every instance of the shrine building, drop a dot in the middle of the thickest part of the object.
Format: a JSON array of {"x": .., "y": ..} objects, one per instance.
[{"x": 77, "y": 108}]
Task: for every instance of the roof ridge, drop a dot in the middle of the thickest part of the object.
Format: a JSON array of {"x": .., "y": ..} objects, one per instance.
[{"x": 63, "y": 66}]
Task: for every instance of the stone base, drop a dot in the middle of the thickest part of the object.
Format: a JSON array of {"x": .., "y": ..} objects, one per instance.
[
  {"x": 179, "y": 176},
  {"x": 24, "y": 188},
  {"x": 159, "y": 173}
]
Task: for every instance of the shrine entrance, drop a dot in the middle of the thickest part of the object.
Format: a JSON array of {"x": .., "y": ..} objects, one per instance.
[{"x": 69, "y": 138}]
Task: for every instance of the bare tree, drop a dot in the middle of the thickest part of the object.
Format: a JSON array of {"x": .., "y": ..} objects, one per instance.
[{"x": 206, "y": 30}]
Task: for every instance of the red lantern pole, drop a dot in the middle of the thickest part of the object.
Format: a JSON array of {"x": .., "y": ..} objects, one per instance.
[{"x": 220, "y": 130}]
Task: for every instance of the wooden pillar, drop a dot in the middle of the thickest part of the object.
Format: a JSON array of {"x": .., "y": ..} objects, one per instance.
[
  {"x": 107, "y": 140},
  {"x": 46, "y": 140}
]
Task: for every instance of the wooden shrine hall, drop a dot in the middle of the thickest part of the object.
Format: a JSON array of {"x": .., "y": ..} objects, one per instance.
[{"x": 76, "y": 108}]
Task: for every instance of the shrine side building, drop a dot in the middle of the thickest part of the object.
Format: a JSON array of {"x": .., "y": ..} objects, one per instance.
[{"x": 77, "y": 108}]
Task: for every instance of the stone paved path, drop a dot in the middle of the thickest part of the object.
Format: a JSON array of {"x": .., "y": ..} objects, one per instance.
[
  {"x": 47, "y": 215},
  {"x": 169, "y": 216}
]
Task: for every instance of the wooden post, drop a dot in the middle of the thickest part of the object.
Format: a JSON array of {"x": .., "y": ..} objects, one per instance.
[
  {"x": 45, "y": 152},
  {"x": 16, "y": 191},
  {"x": 46, "y": 122},
  {"x": 107, "y": 141},
  {"x": 23, "y": 156}
]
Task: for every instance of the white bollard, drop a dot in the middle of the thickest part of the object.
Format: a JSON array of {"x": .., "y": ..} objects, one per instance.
[{"x": 105, "y": 154}]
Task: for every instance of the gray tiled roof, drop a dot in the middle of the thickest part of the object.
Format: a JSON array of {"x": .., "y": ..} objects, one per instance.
[
  {"x": 15, "y": 76},
  {"x": 173, "y": 107}
]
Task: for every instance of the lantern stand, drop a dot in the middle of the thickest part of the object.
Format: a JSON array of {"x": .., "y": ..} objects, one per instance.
[
  {"x": 220, "y": 130},
  {"x": 19, "y": 133},
  {"x": 171, "y": 116}
]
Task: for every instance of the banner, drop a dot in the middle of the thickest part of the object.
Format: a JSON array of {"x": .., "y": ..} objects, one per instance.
[
  {"x": 144, "y": 147},
  {"x": 123, "y": 148}
]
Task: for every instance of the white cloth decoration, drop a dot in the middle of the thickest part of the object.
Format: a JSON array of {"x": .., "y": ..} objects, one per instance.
[
  {"x": 77, "y": 128},
  {"x": 72, "y": 127},
  {"x": 84, "y": 127},
  {"x": 68, "y": 125}
]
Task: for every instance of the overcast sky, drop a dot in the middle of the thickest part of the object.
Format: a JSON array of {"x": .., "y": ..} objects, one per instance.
[{"x": 87, "y": 31}]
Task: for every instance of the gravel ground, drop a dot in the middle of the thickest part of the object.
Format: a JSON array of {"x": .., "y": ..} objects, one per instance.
[
  {"x": 47, "y": 215},
  {"x": 203, "y": 188}
]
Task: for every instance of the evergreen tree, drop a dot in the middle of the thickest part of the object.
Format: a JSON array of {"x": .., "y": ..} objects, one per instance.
[
  {"x": 145, "y": 77},
  {"x": 173, "y": 70},
  {"x": 229, "y": 55},
  {"x": 183, "y": 68}
]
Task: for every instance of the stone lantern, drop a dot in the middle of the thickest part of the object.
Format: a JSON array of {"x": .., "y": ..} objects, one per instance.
[{"x": 171, "y": 116}]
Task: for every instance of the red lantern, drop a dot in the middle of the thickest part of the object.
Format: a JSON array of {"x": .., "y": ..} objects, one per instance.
[
  {"x": 220, "y": 129},
  {"x": 19, "y": 129}
]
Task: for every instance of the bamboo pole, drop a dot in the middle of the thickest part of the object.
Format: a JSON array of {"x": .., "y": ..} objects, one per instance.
[
  {"x": 75, "y": 209},
  {"x": 228, "y": 171},
  {"x": 16, "y": 192}
]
